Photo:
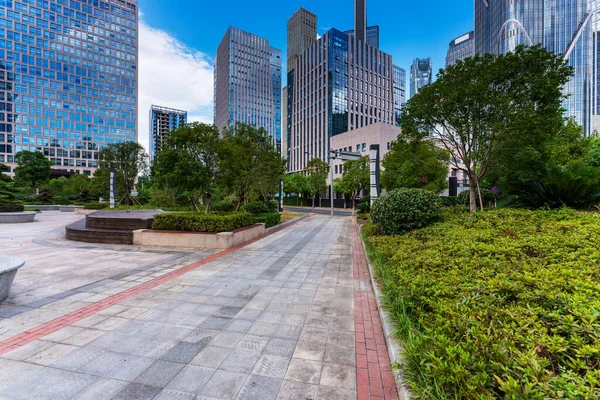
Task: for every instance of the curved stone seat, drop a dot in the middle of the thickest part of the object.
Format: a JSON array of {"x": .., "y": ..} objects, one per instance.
[
  {"x": 17, "y": 217},
  {"x": 8, "y": 269},
  {"x": 69, "y": 208}
]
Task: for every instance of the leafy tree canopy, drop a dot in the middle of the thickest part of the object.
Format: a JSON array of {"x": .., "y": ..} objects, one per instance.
[
  {"x": 128, "y": 159},
  {"x": 33, "y": 168}
]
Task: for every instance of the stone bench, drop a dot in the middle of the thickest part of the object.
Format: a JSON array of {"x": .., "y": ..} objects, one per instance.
[
  {"x": 17, "y": 217},
  {"x": 70, "y": 208},
  {"x": 8, "y": 269}
]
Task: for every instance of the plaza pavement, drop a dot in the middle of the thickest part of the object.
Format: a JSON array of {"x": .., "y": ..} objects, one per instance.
[{"x": 290, "y": 316}]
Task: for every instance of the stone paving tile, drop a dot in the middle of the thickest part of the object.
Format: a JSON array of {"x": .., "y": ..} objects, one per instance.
[
  {"x": 260, "y": 388},
  {"x": 191, "y": 379},
  {"x": 223, "y": 385}
]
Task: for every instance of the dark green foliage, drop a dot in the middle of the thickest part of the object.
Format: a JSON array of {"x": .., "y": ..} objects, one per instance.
[
  {"x": 195, "y": 222},
  {"x": 450, "y": 201},
  {"x": 95, "y": 206},
  {"x": 488, "y": 197},
  {"x": 44, "y": 197},
  {"x": 592, "y": 157},
  {"x": 60, "y": 200},
  {"x": 269, "y": 219},
  {"x": 223, "y": 206},
  {"x": 364, "y": 204},
  {"x": 273, "y": 205},
  {"x": 574, "y": 186},
  {"x": 33, "y": 168},
  {"x": 317, "y": 178},
  {"x": 128, "y": 159},
  {"x": 500, "y": 304},
  {"x": 363, "y": 216},
  {"x": 256, "y": 208},
  {"x": 11, "y": 208},
  {"x": 354, "y": 179},
  {"x": 402, "y": 210}
]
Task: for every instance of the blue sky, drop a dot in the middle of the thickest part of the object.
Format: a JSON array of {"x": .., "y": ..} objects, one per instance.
[{"x": 179, "y": 38}]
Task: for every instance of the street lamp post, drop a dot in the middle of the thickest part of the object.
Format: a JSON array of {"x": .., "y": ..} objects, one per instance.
[{"x": 331, "y": 158}]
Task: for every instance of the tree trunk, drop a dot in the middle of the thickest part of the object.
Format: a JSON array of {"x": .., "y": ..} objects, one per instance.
[
  {"x": 313, "y": 202},
  {"x": 473, "y": 198},
  {"x": 480, "y": 197},
  {"x": 320, "y": 200},
  {"x": 353, "y": 203},
  {"x": 208, "y": 201}
]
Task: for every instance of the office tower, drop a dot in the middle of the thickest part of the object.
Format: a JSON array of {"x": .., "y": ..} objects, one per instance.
[
  {"x": 162, "y": 121},
  {"x": 340, "y": 84},
  {"x": 301, "y": 34},
  {"x": 372, "y": 35},
  {"x": 248, "y": 83},
  {"x": 68, "y": 79},
  {"x": 420, "y": 74},
  {"x": 460, "y": 48},
  {"x": 399, "y": 75},
  {"x": 562, "y": 26},
  {"x": 360, "y": 19},
  {"x": 284, "y": 119}
]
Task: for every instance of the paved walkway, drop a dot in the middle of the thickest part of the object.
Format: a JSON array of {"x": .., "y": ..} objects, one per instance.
[{"x": 289, "y": 316}]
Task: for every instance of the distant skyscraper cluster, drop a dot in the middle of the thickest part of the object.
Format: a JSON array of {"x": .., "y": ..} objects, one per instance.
[
  {"x": 162, "y": 121},
  {"x": 421, "y": 74}
]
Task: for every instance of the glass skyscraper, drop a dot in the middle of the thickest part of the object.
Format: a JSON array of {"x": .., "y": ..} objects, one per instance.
[
  {"x": 162, "y": 121},
  {"x": 68, "y": 79},
  {"x": 420, "y": 74},
  {"x": 399, "y": 90},
  {"x": 372, "y": 35},
  {"x": 460, "y": 48},
  {"x": 248, "y": 83},
  {"x": 562, "y": 26}
]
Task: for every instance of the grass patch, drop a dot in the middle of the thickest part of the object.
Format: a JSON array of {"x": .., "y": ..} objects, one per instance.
[
  {"x": 288, "y": 216},
  {"x": 501, "y": 304}
]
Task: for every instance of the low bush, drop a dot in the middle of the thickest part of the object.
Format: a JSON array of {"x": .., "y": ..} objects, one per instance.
[
  {"x": 11, "y": 208},
  {"x": 256, "y": 208},
  {"x": 449, "y": 201},
  {"x": 402, "y": 210},
  {"x": 60, "y": 200},
  {"x": 269, "y": 219},
  {"x": 95, "y": 206},
  {"x": 222, "y": 206},
  {"x": 273, "y": 205},
  {"x": 499, "y": 304},
  {"x": 489, "y": 198},
  {"x": 363, "y": 216},
  {"x": 364, "y": 204},
  {"x": 196, "y": 222}
]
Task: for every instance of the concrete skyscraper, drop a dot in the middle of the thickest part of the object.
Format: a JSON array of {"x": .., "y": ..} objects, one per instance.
[
  {"x": 372, "y": 35},
  {"x": 360, "y": 20},
  {"x": 301, "y": 34},
  {"x": 460, "y": 48},
  {"x": 162, "y": 121},
  {"x": 562, "y": 26},
  {"x": 421, "y": 74},
  {"x": 247, "y": 83},
  {"x": 68, "y": 79}
]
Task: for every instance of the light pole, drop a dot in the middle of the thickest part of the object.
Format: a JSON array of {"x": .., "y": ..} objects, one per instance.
[{"x": 331, "y": 158}]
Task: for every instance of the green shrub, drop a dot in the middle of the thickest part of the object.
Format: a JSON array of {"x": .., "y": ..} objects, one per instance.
[
  {"x": 60, "y": 200},
  {"x": 222, "y": 206},
  {"x": 497, "y": 304},
  {"x": 364, "y": 204},
  {"x": 44, "y": 197},
  {"x": 489, "y": 197},
  {"x": 273, "y": 205},
  {"x": 449, "y": 201},
  {"x": 402, "y": 210},
  {"x": 269, "y": 219},
  {"x": 256, "y": 208},
  {"x": 5, "y": 208},
  {"x": 196, "y": 222},
  {"x": 95, "y": 206},
  {"x": 363, "y": 216}
]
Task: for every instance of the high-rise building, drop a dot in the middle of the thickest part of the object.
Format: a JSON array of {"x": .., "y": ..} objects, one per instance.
[
  {"x": 460, "y": 48},
  {"x": 162, "y": 121},
  {"x": 68, "y": 79},
  {"x": 360, "y": 19},
  {"x": 284, "y": 136},
  {"x": 420, "y": 74},
  {"x": 247, "y": 83},
  {"x": 339, "y": 84},
  {"x": 399, "y": 90},
  {"x": 301, "y": 34},
  {"x": 562, "y": 26},
  {"x": 372, "y": 35}
]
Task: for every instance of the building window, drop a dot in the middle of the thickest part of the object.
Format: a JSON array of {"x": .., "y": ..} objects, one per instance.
[
  {"x": 364, "y": 147},
  {"x": 358, "y": 148}
]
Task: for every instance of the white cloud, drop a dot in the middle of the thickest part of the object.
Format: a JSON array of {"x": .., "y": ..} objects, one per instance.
[{"x": 172, "y": 74}]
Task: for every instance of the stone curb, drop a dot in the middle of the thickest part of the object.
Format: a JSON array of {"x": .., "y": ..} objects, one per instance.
[
  {"x": 395, "y": 348},
  {"x": 287, "y": 223}
]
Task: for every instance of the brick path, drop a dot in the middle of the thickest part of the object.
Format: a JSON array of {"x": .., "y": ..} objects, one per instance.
[{"x": 290, "y": 316}]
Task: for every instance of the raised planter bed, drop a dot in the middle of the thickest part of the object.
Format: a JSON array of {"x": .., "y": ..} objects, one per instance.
[
  {"x": 197, "y": 240},
  {"x": 17, "y": 217},
  {"x": 69, "y": 208},
  {"x": 8, "y": 270}
]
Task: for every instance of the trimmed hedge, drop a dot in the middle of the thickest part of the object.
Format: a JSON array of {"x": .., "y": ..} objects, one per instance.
[
  {"x": 497, "y": 304},
  {"x": 5, "y": 208},
  {"x": 95, "y": 206},
  {"x": 402, "y": 210},
  {"x": 222, "y": 206},
  {"x": 256, "y": 208},
  {"x": 196, "y": 222},
  {"x": 269, "y": 219}
]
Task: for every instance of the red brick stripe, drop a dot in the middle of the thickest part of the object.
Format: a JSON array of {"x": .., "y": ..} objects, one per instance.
[
  {"x": 374, "y": 376},
  {"x": 47, "y": 328}
]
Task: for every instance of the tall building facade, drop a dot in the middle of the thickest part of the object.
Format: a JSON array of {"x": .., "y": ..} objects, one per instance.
[
  {"x": 360, "y": 20},
  {"x": 247, "y": 83},
  {"x": 372, "y": 35},
  {"x": 562, "y": 26},
  {"x": 421, "y": 74},
  {"x": 301, "y": 34},
  {"x": 339, "y": 84},
  {"x": 399, "y": 75},
  {"x": 162, "y": 121},
  {"x": 284, "y": 136},
  {"x": 460, "y": 48},
  {"x": 68, "y": 79}
]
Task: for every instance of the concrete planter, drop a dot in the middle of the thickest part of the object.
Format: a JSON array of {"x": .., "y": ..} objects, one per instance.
[
  {"x": 44, "y": 207},
  {"x": 82, "y": 211},
  {"x": 197, "y": 240},
  {"x": 8, "y": 269},
  {"x": 70, "y": 208},
  {"x": 17, "y": 217}
]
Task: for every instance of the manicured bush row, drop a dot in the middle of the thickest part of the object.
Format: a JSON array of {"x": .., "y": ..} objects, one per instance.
[
  {"x": 196, "y": 222},
  {"x": 95, "y": 206},
  {"x": 402, "y": 210},
  {"x": 256, "y": 208},
  {"x": 501, "y": 304},
  {"x": 222, "y": 206},
  {"x": 269, "y": 219},
  {"x": 11, "y": 208}
]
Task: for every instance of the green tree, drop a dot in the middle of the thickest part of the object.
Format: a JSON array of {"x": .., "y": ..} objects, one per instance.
[
  {"x": 189, "y": 162},
  {"x": 33, "y": 169},
  {"x": 295, "y": 183},
  {"x": 416, "y": 164},
  {"x": 250, "y": 163},
  {"x": 473, "y": 104},
  {"x": 128, "y": 159},
  {"x": 355, "y": 178},
  {"x": 317, "y": 177},
  {"x": 593, "y": 156}
]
